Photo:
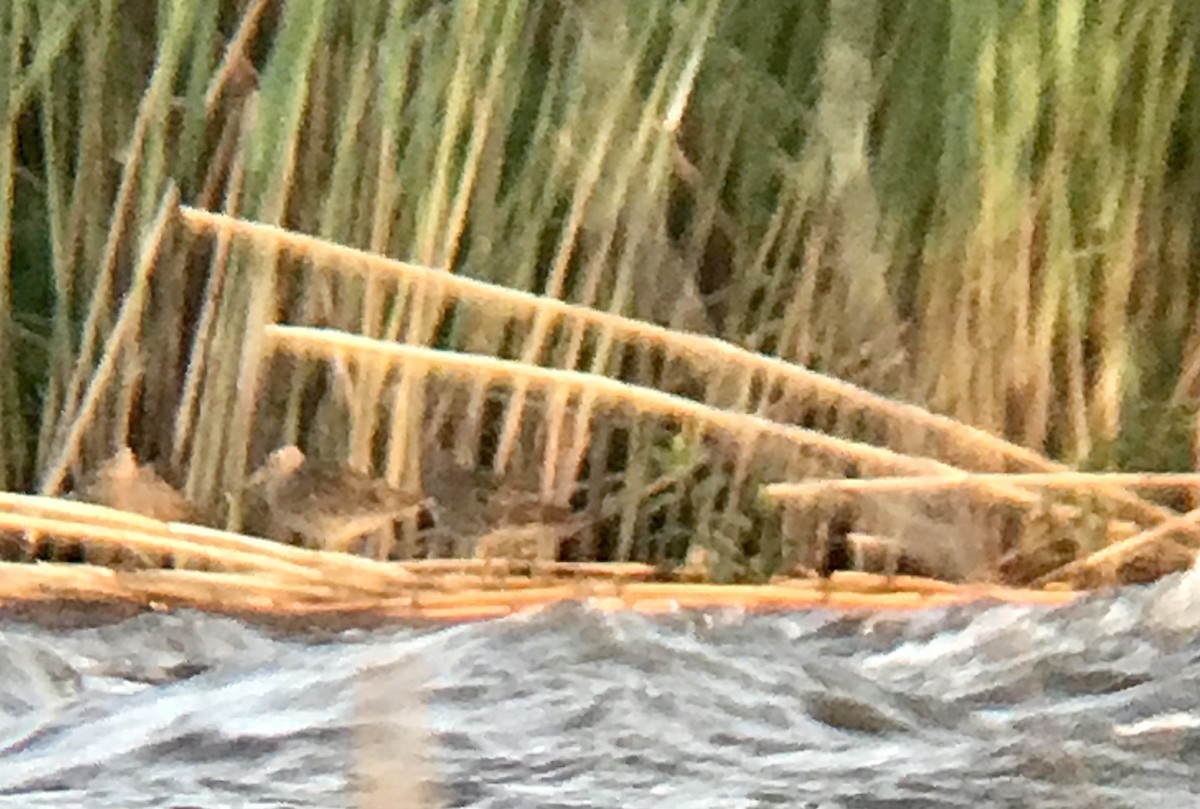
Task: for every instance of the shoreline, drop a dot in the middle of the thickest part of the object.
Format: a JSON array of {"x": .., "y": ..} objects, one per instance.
[{"x": 68, "y": 608}]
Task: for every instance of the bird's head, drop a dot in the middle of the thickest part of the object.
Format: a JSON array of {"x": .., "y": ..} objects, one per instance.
[{"x": 280, "y": 464}]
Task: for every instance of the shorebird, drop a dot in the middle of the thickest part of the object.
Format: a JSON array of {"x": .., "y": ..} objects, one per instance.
[
  {"x": 530, "y": 542},
  {"x": 529, "y": 547},
  {"x": 327, "y": 505},
  {"x": 122, "y": 483},
  {"x": 493, "y": 519}
]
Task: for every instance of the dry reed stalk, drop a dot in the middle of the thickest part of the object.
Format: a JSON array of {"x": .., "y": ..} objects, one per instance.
[
  {"x": 1089, "y": 481},
  {"x": 1119, "y": 551},
  {"x": 152, "y": 113},
  {"x": 700, "y": 350},
  {"x": 155, "y": 543},
  {"x": 515, "y": 596},
  {"x": 335, "y": 568},
  {"x": 1114, "y": 553},
  {"x": 50, "y": 580},
  {"x": 121, "y": 339},
  {"x": 485, "y": 580},
  {"x": 207, "y": 588},
  {"x": 338, "y": 567},
  {"x": 600, "y": 570},
  {"x": 405, "y": 610},
  {"x": 857, "y": 581},
  {"x": 235, "y": 55},
  {"x": 86, "y": 521},
  {"x": 327, "y": 344},
  {"x": 202, "y": 338},
  {"x": 76, "y": 511},
  {"x": 755, "y": 597},
  {"x": 251, "y": 595}
]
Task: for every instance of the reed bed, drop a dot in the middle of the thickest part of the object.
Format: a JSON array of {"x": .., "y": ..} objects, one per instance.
[
  {"x": 748, "y": 430},
  {"x": 265, "y": 580},
  {"x": 703, "y": 248}
]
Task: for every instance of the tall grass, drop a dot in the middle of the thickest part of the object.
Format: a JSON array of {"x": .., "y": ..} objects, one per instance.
[{"x": 984, "y": 210}]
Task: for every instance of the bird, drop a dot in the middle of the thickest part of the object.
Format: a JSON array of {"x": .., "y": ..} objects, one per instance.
[
  {"x": 122, "y": 483},
  {"x": 491, "y": 518},
  {"x": 327, "y": 505},
  {"x": 528, "y": 542},
  {"x": 531, "y": 546}
]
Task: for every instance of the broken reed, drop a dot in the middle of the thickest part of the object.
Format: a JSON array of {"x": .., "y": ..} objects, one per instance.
[{"x": 1187, "y": 523}]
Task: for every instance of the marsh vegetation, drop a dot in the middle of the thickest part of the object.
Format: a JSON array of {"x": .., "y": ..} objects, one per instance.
[{"x": 628, "y": 266}]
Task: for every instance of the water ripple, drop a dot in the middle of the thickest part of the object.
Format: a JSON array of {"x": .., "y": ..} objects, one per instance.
[{"x": 1095, "y": 704}]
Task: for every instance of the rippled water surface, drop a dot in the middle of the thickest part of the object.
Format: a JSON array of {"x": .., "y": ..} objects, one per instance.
[{"x": 1092, "y": 705}]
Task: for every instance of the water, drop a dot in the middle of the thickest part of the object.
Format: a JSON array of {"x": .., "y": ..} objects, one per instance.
[{"x": 1092, "y": 705}]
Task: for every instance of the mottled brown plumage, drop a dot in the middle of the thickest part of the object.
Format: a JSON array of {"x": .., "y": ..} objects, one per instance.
[
  {"x": 122, "y": 483},
  {"x": 491, "y": 518},
  {"x": 530, "y": 542},
  {"x": 327, "y": 505}
]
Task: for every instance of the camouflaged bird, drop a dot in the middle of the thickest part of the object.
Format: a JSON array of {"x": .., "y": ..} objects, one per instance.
[
  {"x": 529, "y": 547},
  {"x": 327, "y": 505},
  {"x": 532, "y": 542},
  {"x": 122, "y": 483}
]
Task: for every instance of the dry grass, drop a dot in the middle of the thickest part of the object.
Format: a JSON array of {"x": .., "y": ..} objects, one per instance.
[
  {"x": 576, "y": 395},
  {"x": 644, "y": 240},
  {"x": 1072, "y": 481}
]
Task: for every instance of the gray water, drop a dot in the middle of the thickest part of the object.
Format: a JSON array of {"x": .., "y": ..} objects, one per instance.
[{"x": 1092, "y": 705}]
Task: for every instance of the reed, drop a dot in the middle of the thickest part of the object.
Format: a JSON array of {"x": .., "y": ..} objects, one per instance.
[
  {"x": 706, "y": 246},
  {"x": 1074, "y": 481}
]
